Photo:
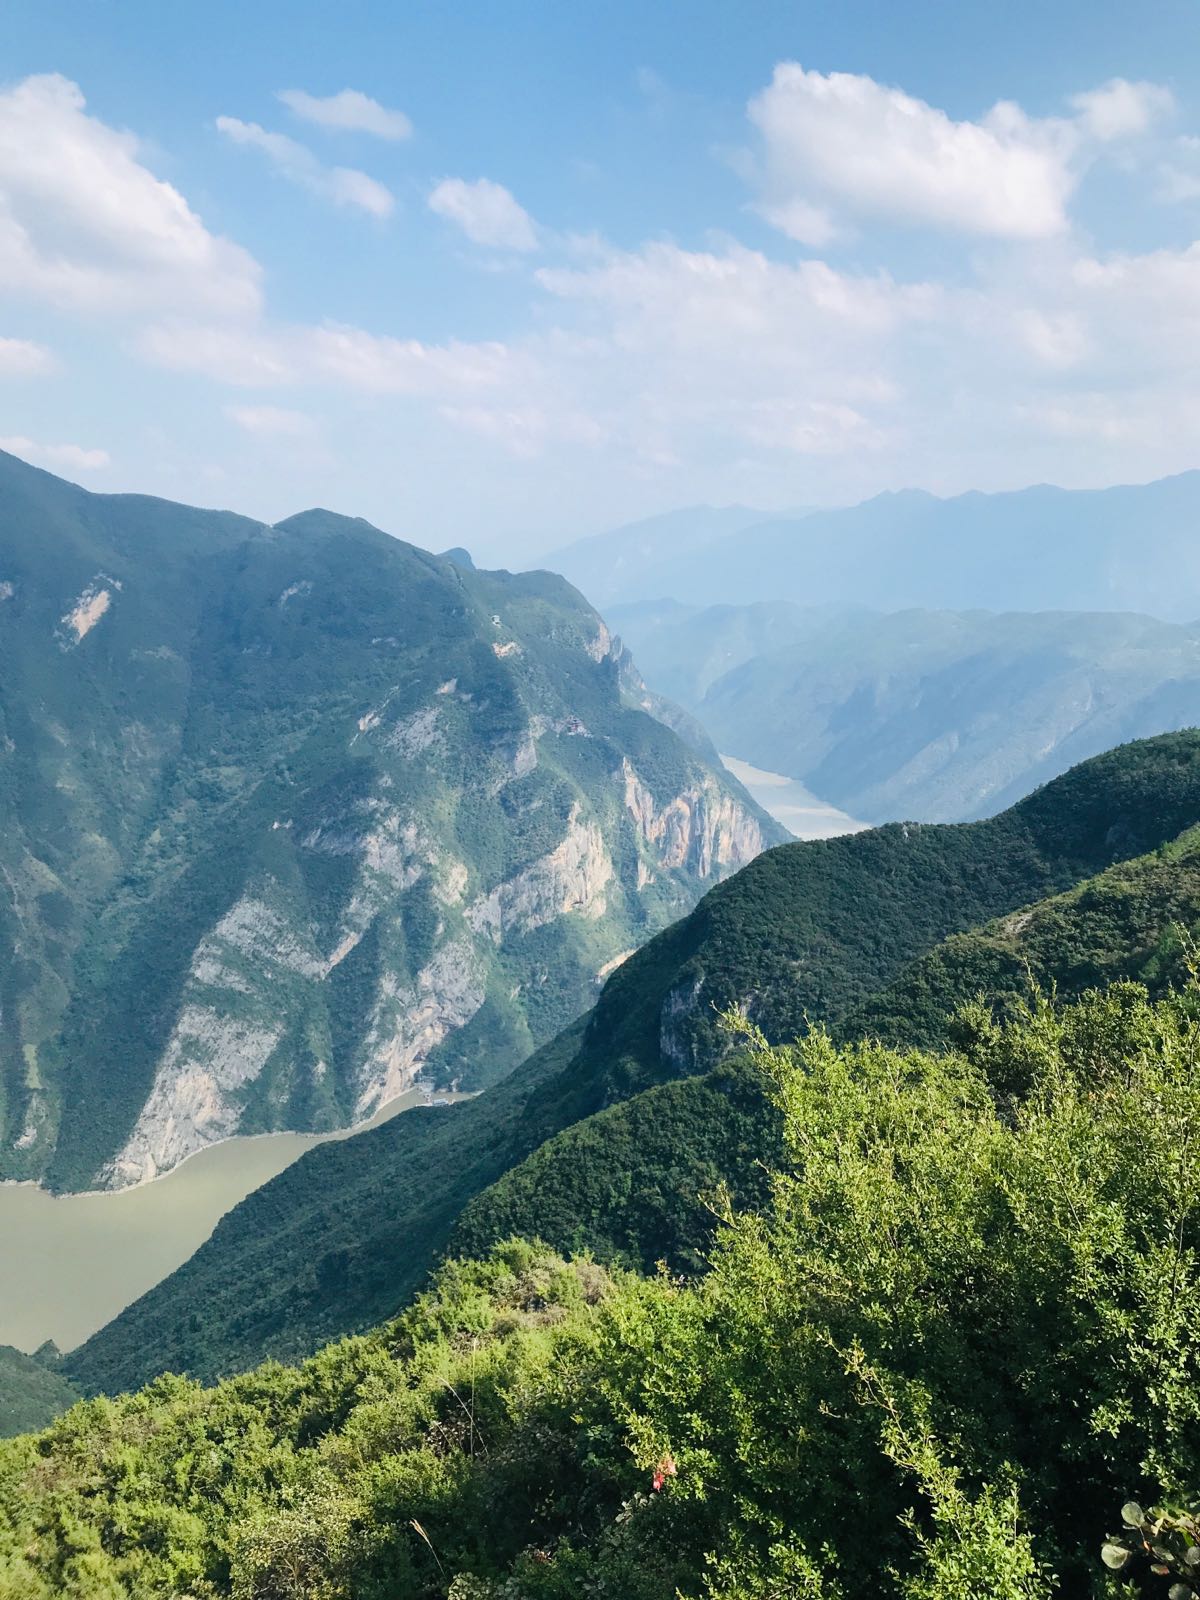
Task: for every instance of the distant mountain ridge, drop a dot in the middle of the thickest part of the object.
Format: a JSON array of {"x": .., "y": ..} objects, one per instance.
[
  {"x": 1128, "y": 548},
  {"x": 292, "y": 815},
  {"x": 941, "y": 716}
]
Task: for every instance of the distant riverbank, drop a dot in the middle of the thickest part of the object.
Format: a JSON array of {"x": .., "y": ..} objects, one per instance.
[{"x": 70, "y": 1263}]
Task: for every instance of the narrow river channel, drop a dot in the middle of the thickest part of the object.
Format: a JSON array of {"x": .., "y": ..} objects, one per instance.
[{"x": 69, "y": 1263}]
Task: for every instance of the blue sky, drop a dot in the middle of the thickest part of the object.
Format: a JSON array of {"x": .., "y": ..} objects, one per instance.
[{"x": 505, "y": 274}]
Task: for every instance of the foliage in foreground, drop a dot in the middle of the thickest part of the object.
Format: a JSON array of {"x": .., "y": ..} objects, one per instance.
[{"x": 961, "y": 1334}]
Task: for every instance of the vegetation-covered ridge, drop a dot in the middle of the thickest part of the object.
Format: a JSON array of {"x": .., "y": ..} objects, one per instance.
[
  {"x": 628, "y": 1183},
  {"x": 32, "y": 1389},
  {"x": 807, "y": 933},
  {"x": 956, "y": 1337},
  {"x": 291, "y": 815}
]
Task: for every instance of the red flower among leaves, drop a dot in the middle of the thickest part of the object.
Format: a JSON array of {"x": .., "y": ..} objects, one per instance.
[{"x": 665, "y": 1469}]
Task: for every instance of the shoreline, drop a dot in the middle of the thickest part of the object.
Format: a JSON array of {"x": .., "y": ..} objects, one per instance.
[{"x": 391, "y": 1107}]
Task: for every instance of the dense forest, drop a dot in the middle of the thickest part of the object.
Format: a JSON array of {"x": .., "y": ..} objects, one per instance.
[{"x": 949, "y": 1350}]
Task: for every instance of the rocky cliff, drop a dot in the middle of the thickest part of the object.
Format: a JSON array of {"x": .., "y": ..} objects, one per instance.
[{"x": 296, "y": 816}]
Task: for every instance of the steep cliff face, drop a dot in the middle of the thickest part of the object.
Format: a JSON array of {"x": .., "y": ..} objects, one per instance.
[
  {"x": 295, "y": 817},
  {"x": 702, "y": 829}
]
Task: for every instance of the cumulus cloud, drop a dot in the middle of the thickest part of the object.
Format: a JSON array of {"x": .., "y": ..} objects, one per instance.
[
  {"x": 706, "y": 352},
  {"x": 525, "y": 431},
  {"x": 22, "y": 358},
  {"x": 246, "y": 357},
  {"x": 348, "y": 111},
  {"x": 1119, "y": 109},
  {"x": 843, "y": 139},
  {"x": 85, "y": 224},
  {"x": 721, "y": 373},
  {"x": 344, "y": 186},
  {"x": 486, "y": 212},
  {"x": 66, "y": 457}
]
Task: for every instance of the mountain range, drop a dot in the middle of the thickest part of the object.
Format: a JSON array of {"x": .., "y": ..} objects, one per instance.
[
  {"x": 941, "y": 716},
  {"x": 606, "y": 1137},
  {"x": 1127, "y": 548},
  {"x": 294, "y": 815}
]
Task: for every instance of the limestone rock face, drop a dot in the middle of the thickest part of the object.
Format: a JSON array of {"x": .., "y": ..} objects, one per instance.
[
  {"x": 702, "y": 829},
  {"x": 571, "y": 878},
  {"x": 293, "y": 818}
]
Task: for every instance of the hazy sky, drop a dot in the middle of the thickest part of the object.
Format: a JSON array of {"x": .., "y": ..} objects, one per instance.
[{"x": 501, "y": 273}]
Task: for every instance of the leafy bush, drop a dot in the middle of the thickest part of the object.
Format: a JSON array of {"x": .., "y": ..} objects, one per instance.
[{"x": 960, "y": 1329}]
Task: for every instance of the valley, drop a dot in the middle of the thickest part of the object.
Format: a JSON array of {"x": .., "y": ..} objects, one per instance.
[
  {"x": 791, "y": 804},
  {"x": 599, "y": 802},
  {"x": 936, "y": 716}
]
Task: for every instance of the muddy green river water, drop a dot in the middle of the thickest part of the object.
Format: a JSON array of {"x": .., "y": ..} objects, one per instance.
[{"x": 69, "y": 1263}]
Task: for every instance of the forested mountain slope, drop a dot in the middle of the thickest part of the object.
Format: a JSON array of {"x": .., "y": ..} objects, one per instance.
[
  {"x": 291, "y": 815},
  {"x": 638, "y": 1182},
  {"x": 32, "y": 1390},
  {"x": 955, "y": 1352},
  {"x": 938, "y": 715},
  {"x": 808, "y": 932}
]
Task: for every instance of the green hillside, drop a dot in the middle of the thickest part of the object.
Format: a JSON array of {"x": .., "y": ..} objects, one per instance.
[
  {"x": 1137, "y": 920},
  {"x": 291, "y": 815},
  {"x": 946, "y": 1357},
  {"x": 806, "y": 933},
  {"x": 633, "y": 1184},
  {"x": 32, "y": 1390}
]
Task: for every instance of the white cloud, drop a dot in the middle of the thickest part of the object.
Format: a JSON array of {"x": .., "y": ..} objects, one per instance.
[
  {"x": 845, "y": 140},
  {"x": 384, "y": 365},
  {"x": 739, "y": 298},
  {"x": 1119, "y": 109},
  {"x": 725, "y": 373},
  {"x": 84, "y": 224},
  {"x": 349, "y": 111},
  {"x": 802, "y": 221},
  {"x": 245, "y": 357},
  {"x": 67, "y": 457},
  {"x": 272, "y": 421},
  {"x": 345, "y": 186},
  {"x": 486, "y": 212},
  {"x": 347, "y": 357},
  {"x": 22, "y": 358},
  {"x": 1055, "y": 338}
]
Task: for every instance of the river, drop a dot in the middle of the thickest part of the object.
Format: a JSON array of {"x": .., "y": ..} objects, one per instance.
[
  {"x": 789, "y": 802},
  {"x": 70, "y": 1263}
]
